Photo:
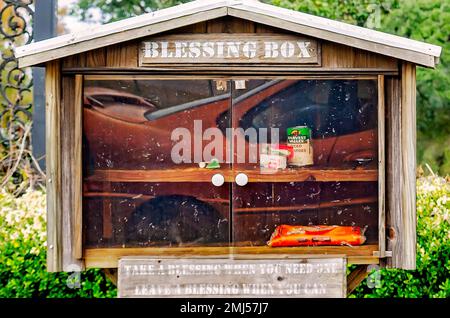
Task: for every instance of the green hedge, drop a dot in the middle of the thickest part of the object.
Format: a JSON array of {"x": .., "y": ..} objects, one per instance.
[
  {"x": 432, "y": 276},
  {"x": 23, "y": 248},
  {"x": 23, "y": 255}
]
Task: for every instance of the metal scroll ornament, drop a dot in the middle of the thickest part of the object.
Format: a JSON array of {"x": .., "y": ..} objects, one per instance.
[{"x": 15, "y": 94}]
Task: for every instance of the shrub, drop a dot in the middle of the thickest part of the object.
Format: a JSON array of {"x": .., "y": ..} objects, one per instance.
[
  {"x": 432, "y": 276},
  {"x": 23, "y": 254}
]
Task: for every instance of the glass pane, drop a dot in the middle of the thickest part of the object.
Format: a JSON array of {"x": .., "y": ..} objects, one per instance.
[
  {"x": 309, "y": 149},
  {"x": 142, "y": 148}
]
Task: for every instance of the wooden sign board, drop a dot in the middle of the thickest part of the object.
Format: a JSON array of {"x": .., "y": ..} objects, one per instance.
[
  {"x": 196, "y": 278},
  {"x": 227, "y": 48}
]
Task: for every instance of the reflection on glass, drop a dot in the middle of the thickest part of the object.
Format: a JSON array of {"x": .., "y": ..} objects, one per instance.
[
  {"x": 331, "y": 188},
  {"x": 134, "y": 192},
  {"x": 137, "y": 194}
]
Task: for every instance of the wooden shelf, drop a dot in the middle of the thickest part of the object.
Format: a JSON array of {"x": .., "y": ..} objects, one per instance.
[
  {"x": 301, "y": 207},
  {"x": 321, "y": 205},
  {"x": 109, "y": 257},
  {"x": 320, "y": 174}
]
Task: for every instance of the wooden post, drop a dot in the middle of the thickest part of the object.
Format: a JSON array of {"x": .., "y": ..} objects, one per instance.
[
  {"x": 408, "y": 173},
  {"x": 77, "y": 171},
  {"x": 393, "y": 171},
  {"x": 53, "y": 159},
  {"x": 381, "y": 167},
  {"x": 401, "y": 168},
  {"x": 71, "y": 172}
]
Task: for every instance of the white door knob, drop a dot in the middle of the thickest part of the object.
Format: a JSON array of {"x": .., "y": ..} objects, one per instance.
[
  {"x": 241, "y": 179},
  {"x": 218, "y": 180}
]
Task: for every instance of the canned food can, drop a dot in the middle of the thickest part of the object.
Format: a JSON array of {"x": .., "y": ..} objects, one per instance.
[{"x": 299, "y": 138}]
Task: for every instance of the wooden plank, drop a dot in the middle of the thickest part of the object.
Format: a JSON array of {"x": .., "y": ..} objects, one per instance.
[
  {"x": 231, "y": 69},
  {"x": 77, "y": 169},
  {"x": 74, "y": 61},
  {"x": 229, "y": 24},
  {"x": 262, "y": 28},
  {"x": 223, "y": 48},
  {"x": 408, "y": 173},
  {"x": 53, "y": 164},
  {"x": 335, "y": 55},
  {"x": 394, "y": 213},
  {"x": 196, "y": 278},
  {"x": 321, "y": 205},
  {"x": 122, "y": 55},
  {"x": 109, "y": 257},
  {"x": 125, "y": 77},
  {"x": 254, "y": 175},
  {"x": 96, "y": 58},
  {"x": 200, "y": 27},
  {"x": 70, "y": 152},
  {"x": 366, "y": 59},
  {"x": 356, "y": 277},
  {"x": 381, "y": 167},
  {"x": 66, "y": 153},
  {"x": 340, "y": 56}
]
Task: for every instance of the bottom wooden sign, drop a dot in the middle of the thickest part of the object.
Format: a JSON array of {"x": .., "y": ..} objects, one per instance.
[{"x": 306, "y": 278}]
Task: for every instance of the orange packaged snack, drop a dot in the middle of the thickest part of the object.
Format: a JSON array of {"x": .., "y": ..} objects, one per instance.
[{"x": 318, "y": 235}]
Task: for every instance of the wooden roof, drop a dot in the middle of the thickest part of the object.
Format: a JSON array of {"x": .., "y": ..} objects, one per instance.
[{"x": 201, "y": 10}]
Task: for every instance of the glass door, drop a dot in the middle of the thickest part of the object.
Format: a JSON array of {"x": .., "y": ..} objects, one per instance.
[
  {"x": 258, "y": 164},
  {"x": 305, "y": 162},
  {"x": 155, "y": 172}
]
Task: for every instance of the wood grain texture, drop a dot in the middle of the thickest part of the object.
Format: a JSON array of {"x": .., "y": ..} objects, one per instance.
[
  {"x": 109, "y": 257},
  {"x": 67, "y": 138},
  {"x": 70, "y": 152},
  {"x": 294, "y": 278},
  {"x": 200, "y": 27},
  {"x": 77, "y": 162},
  {"x": 230, "y": 24},
  {"x": 394, "y": 215},
  {"x": 339, "y": 56},
  {"x": 334, "y": 56},
  {"x": 122, "y": 55},
  {"x": 74, "y": 61},
  {"x": 408, "y": 173},
  {"x": 96, "y": 58},
  {"x": 381, "y": 167},
  {"x": 262, "y": 28},
  {"x": 296, "y": 54},
  {"x": 321, "y": 205},
  {"x": 356, "y": 277},
  {"x": 53, "y": 164},
  {"x": 254, "y": 175}
]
